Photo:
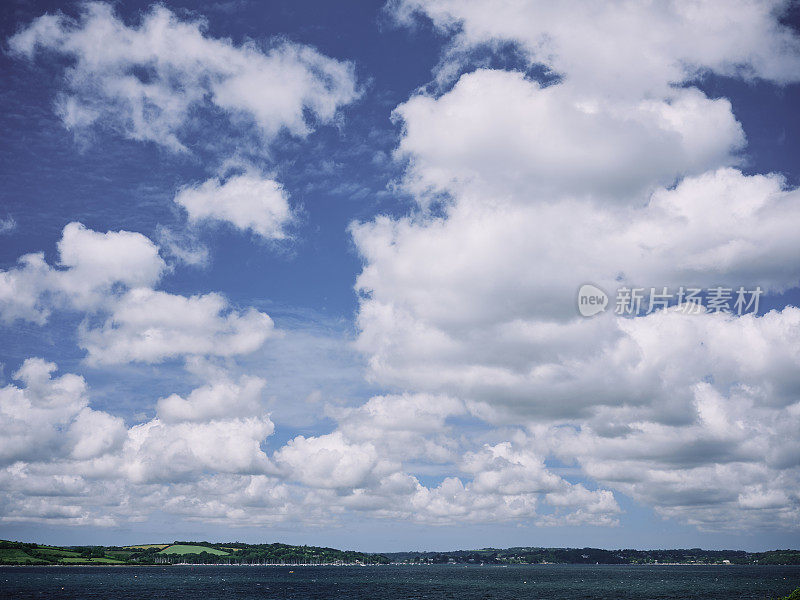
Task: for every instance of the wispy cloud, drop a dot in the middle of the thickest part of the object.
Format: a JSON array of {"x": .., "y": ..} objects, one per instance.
[{"x": 7, "y": 225}]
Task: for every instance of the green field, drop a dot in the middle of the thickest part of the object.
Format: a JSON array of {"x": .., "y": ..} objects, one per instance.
[
  {"x": 15, "y": 556},
  {"x": 94, "y": 561},
  {"x": 54, "y": 553},
  {"x": 182, "y": 549}
]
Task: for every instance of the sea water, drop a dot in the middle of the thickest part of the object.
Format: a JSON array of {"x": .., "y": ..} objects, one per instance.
[{"x": 400, "y": 582}]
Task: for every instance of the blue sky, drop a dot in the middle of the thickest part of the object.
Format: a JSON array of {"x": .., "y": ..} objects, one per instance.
[{"x": 344, "y": 312}]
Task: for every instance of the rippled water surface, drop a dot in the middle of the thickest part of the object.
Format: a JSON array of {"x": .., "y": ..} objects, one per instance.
[{"x": 400, "y": 582}]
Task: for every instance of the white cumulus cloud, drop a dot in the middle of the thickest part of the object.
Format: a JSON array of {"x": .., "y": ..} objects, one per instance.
[
  {"x": 146, "y": 79},
  {"x": 91, "y": 265},
  {"x": 500, "y": 135},
  {"x": 146, "y": 325},
  {"x": 621, "y": 48},
  {"x": 615, "y": 173},
  {"x": 248, "y": 201},
  {"x": 49, "y": 418}
]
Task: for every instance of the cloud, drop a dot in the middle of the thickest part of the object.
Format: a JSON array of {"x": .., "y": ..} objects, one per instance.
[
  {"x": 76, "y": 465},
  {"x": 455, "y": 501},
  {"x": 244, "y": 501},
  {"x": 730, "y": 464},
  {"x": 91, "y": 266},
  {"x": 511, "y": 472},
  {"x": 330, "y": 461},
  {"x": 611, "y": 174},
  {"x": 491, "y": 321},
  {"x": 111, "y": 275},
  {"x": 7, "y": 225},
  {"x": 95, "y": 433},
  {"x": 370, "y": 461},
  {"x": 161, "y": 452},
  {"x": 223, "y": 398},
  {"x": 404, "y": 427},
  {"x": 616, "y": 173},
  {"x": 248, "y": 201},
  {"x": 21, "y": 289},
  {"x": 148, "y": 80},
  {"x": 499, "y": 135},
  {"x": 626, "y": 49},
  {"x": 636, "y": 411},
  {"x": 183, "y": 246},
  {"x": 499, "y": 298},
  {"x": 629, "y": 399},
  {"x": 103, "y": 260},
  {"x": 49, "y": 418},
  {"x": 62, "y": 461},
  {"x": 146, "y": 325}
]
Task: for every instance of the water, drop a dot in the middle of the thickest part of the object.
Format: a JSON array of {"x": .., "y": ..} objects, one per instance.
[{"x": 457, "y": 582}]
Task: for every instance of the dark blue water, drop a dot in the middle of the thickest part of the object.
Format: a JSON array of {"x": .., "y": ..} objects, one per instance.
[{"x": 545, "y": 582}]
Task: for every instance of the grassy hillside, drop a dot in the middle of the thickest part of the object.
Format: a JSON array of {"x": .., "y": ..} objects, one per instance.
[
  {"x": 50, "y": 552},
  {"x": 15, "y": 556},
  {"x": 20, "y": 553},
  {"x": 186, "y": 549}
]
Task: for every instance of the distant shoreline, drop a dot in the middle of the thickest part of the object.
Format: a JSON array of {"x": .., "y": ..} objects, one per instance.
[{"x": 203, "y": 553}]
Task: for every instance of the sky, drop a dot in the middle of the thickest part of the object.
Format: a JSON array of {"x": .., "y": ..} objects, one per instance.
[{"x": 309, "y": 272}]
